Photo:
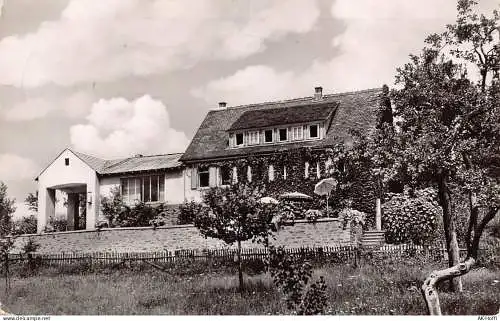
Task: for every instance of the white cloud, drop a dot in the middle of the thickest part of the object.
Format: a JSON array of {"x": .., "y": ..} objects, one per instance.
[
  {"x": 32, "y": 108},
  {"x": 96, "y": 40},
  {"x": 14, "y": 167},
  {"x": 378, "y": 38},
  {"x": 251, "y": 84},
  {"x": 77, "y": 104},
  {"x": 74, "y": 105},
  {"x": 120, "y": 128}
]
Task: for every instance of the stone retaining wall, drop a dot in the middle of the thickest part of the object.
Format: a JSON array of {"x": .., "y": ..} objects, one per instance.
[{"x": 324, "y": 232}]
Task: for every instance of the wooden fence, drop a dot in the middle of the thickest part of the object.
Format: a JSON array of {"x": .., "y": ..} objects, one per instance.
[{"x": 339, "y": 254}]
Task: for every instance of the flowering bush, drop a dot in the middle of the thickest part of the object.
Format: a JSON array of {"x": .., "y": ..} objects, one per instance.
[{"x": 412, "y": 218}]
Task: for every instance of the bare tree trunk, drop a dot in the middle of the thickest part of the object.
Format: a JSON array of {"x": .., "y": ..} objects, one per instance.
[
  {"x": 449, "y": 230},
  {"x": 429, "y": 290},
  {"x": 240, "y": 270}
]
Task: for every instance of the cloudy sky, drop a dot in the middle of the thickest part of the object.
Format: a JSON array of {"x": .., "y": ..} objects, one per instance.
[{"x": 114, "y": 78}]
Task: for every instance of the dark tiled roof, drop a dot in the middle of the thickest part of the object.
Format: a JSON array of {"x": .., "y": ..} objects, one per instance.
[
  {"x": 95, "y": 163},
  {"x": 131, "y": 164},
  {"x": 356, "y": 111},
  {"x": 282, "y": 116},
  {"x": 142, "y": 163}
]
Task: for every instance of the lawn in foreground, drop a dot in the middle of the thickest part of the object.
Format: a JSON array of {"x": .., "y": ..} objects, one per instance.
[{"x": 393, "y": 289}]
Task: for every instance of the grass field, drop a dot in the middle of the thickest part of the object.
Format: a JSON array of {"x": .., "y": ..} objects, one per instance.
[{"x": 392, "y": 289}]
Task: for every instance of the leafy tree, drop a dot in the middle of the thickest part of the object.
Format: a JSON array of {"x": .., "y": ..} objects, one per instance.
[
  {"x": 234, "y": 215},
  {"x": 6, "y": 243},
  {"x": 6, "y": 209},
  {"x": 448, "y": 135},
  {"x": 32, "y": 202}
]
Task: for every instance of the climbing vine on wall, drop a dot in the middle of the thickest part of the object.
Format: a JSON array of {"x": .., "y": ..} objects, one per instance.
[{"x": 354, "y": 188}]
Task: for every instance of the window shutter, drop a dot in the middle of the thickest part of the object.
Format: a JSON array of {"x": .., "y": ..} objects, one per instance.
[
  {"x": 212, "y": 176},
  {"x": 194, "y": 178}
]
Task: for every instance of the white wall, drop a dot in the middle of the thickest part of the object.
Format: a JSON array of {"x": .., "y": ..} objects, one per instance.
[
  {"x": 57, "y": 174},
  {"x": 174, "y": 186},
  {"x": 107, "y": 184},
  {"x": 190, "y": 194}
]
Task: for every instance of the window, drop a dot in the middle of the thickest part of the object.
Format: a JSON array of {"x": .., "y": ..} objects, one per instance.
[
  {"x": 239, "y": 139},
  {"x": 203, "y": 177},
  {"x": 253, "y": 138},
  {"x": 225, "y": 175},
  {"x": 66, "y": 161},
  {"x": 145, "y": 189},
  {"x": 283, "y": 134},
  {"x": 268, "y": 136},
  {"x": 313, "y": 131},
  {"x": 297, "y": 133}
]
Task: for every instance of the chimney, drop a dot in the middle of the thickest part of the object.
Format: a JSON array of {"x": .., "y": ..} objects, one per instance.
[
  {"x": 138, "y": 155},
  {"x": 318, "y": 93},
  {"x": 222, "y": 104}
]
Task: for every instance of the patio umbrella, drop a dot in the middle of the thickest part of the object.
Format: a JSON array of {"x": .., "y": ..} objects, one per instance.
[
  {"x": 325, "y": 187},
  {"x": 268, "y": 200},
  {"x": 296, "y": 196}
]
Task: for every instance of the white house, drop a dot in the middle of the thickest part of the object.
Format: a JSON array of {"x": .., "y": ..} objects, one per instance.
[{"x": 151, "y": 179}]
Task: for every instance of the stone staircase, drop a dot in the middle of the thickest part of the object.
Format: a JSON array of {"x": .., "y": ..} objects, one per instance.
[{"x": 372, "y": 239}]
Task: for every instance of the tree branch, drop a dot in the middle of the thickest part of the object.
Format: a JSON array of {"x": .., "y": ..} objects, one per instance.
[
  {"x": 474, "y": 209},
  {"x": 474, "y": 251},
  {"x": 429, "y": 290},
  {"x": 465, "y": 120}
]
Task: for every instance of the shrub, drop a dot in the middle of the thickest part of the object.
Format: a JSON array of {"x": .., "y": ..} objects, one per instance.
[
  {"x": 111, "y": 206},
  {"x": 25, "y": 225},
  {"x": 412, "y": 218},
  {"x": 139, "y": 215},
  {"x": 57, "y": 224},
  {"x": 188, "y": 211},
  {"x": 120, "y": 214},
  {"x": 292, "y": 275},
  {"x": 29, "y": 248}
]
